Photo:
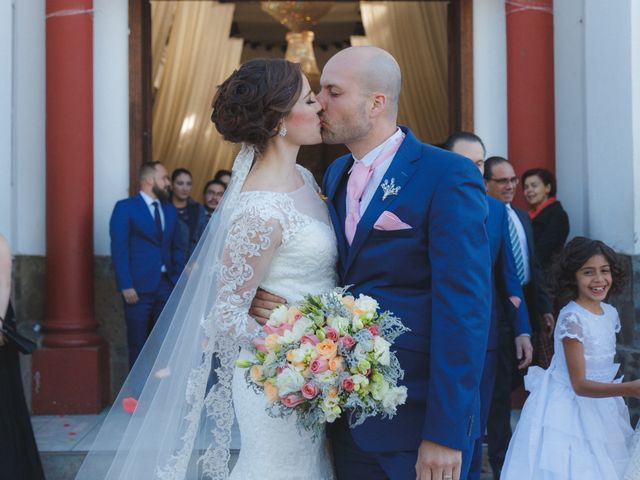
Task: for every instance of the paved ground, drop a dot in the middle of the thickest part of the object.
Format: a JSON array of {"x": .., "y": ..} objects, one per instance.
[{"x": 63, "y": 441}]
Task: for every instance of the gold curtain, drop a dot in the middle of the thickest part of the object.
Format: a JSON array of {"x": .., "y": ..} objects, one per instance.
[
  {"x": 415, "y": 33},
  {"x": 199, "y": 56},
  {"x": 162, "y": 13}
]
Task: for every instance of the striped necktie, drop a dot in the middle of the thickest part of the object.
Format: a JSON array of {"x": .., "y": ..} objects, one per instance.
[{"x": 516, "y": 247}]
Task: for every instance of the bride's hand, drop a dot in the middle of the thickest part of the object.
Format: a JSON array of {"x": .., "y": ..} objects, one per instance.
[{"x": 263, "y": 304}]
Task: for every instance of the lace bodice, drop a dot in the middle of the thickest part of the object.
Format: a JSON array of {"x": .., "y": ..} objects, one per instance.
[
  {"x": 282, "y": 242},
  {"x": 597, "y": 333}
]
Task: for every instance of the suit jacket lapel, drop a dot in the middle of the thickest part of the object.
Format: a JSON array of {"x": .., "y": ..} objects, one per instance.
[
  {"x": 332, "y": 186},
  {"x": 401, "y": 170}
]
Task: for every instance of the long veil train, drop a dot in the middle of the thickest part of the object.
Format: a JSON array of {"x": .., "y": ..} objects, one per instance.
[{"x": 181, "y": 427}]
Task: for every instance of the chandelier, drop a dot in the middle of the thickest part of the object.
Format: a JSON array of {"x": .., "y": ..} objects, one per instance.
[{"x": 299, "y": 17}]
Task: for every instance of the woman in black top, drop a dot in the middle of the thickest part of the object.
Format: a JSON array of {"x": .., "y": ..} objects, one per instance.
[
  {"x": 192, "y": 214},
  {"x": 550, "y": 220}
]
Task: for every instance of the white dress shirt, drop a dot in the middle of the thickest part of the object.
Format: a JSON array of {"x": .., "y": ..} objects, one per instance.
[
  {"x": 523, "y": 242},
  {"x": 378, "y": 173},
  {"x": 149, "y": 201}
]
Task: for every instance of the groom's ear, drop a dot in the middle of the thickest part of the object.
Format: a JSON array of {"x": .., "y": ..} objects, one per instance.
[{"x": 379, "y": 104}]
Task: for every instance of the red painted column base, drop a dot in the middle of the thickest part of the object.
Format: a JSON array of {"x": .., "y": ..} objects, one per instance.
[{"x": 70, "y": 380}]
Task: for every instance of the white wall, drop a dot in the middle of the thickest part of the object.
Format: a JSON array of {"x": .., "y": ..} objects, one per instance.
[
  {"x": 6, "y": 130},
  {"x": 110, "y": 114},
  {"x": 597, "y": 119},
  {"x": 490, "y": 75},
  {"x": 28, "y": 200}
]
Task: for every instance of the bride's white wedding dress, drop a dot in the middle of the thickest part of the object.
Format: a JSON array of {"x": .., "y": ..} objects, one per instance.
[{"x": 283, "y": 243}]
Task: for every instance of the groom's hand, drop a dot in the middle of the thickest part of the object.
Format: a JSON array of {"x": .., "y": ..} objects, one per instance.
[
  {"x": 437, "y": 462},
  {"x": 263, "y": 304}
]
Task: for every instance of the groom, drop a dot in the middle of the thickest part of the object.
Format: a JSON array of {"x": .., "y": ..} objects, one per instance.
[{"x": 409, "y": 220}]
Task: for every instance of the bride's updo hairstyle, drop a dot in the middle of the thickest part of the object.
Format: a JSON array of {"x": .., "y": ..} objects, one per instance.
[{"x": 251, "y": 103}]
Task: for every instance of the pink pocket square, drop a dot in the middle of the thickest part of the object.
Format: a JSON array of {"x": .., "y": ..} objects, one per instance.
[{"x": 388, "y": 221}]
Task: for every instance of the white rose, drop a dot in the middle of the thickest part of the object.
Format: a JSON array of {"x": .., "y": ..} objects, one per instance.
[
  {"x": 307, "y": 350},
  {"x": 327, "y": 377},
  {"x": 278, "y": 316},
  {"x": 379, "y": 390},
  {"x": 289, "y": 381},
  {"x": 367, "y": 304},
  {"x": 381, "y": 350},
  {"x": 395, "y": 396},
  {"x": 359, "y": 381},
  {"x": 356, "y": 323},
  {"x": 331, "y": 408},
  {"x": 341, "y": 324}
]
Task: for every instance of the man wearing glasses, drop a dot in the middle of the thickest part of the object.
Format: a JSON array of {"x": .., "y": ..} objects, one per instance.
[{"x": 501, "y": 182}]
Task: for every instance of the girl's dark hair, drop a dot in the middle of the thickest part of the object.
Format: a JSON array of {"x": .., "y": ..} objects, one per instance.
[
  {"x": 180, "y": 171},
  {"x": 545, "y": 175},
  {"x": 574, "y": 255},
  {"x": 251, "y": 103}
]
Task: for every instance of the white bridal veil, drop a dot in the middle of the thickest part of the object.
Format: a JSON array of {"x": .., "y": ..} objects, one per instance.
[{"x": 181, "y": 426}]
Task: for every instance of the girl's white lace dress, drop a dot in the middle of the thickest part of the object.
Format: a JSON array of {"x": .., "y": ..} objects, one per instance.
[
  {"x": 285, "y": 244},
  {"x": 561, "y": 435}
]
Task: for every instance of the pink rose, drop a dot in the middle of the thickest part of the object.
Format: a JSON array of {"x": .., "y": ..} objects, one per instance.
[
  {"x": 347, "y": 384},
  {"x": 310, "y": 338},
  {"x": 373, "y": 329},
  {"x": 291, "y": 400},
  {"x": 348, "y": 342},
  {"x": 331, "y": 333},
  {"x": 277, "y": 330},
  {"x": 319, "y": 365},
  {"x": 259, "y": 344},
  {"x": 309, "y": 391}
]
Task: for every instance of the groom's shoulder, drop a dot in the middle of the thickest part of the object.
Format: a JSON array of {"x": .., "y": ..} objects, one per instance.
[{"x": 436, "y": 160}]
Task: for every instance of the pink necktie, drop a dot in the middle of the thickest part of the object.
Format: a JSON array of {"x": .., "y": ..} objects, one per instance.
[{"x": 358, "y": 180}]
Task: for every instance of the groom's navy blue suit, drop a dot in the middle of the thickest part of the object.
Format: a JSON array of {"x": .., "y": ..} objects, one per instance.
[{"x": 436, "y": 277}]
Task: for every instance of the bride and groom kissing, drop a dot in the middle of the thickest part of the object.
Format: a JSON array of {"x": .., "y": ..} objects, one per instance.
[{"x": 396, "y": 219}]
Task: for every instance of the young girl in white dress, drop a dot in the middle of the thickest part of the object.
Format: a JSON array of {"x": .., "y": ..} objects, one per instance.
[{"x": 575, "y": 424}]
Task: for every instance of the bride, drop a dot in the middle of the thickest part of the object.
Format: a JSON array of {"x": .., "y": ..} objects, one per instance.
[{"x": 272, "y": 230}]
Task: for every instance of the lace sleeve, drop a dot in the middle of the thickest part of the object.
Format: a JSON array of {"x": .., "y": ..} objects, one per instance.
[
  {"x": 251, "y": 243},
  {"x": 570, "y": 326}
]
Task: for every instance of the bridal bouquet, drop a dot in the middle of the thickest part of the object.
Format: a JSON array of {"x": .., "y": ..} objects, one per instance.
[{"x": 327, "y": 355}]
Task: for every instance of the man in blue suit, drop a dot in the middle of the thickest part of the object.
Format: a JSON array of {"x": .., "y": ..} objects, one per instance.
[
  {"x": 501, "y": 181},
  {"x": 147, "y": 253},
  {"x": 415, "y": 240},
  {"x": 507, "y": 292}
]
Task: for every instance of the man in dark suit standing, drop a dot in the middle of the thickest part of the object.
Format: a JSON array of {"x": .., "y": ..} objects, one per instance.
[
  {"x": 501, "y": 182},
  {"x": 147, "y": 253}
]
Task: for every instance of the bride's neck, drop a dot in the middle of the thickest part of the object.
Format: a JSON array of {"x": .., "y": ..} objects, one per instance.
[{"x": 278, "y": 162}]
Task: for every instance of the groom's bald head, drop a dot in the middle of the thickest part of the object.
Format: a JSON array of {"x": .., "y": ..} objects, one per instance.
[{"x": 374, "y": 70}]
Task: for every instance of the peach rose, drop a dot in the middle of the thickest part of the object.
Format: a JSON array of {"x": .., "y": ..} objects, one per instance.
[
  {"x": 271, "y": 342},
  {"x": 271, "y": 391},
  {"x": 332, "y": 392},
  {"x": 327, "y": 348},
  {"x": 348, "y": 302},
  {"x": 336, "y": 364},
  {"x": 256, "y": 373}
]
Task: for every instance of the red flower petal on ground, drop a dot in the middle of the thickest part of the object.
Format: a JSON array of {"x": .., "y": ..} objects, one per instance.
[{"x": 129, "y": 404}]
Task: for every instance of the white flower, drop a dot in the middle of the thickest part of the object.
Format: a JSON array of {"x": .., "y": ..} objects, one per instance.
[
  {"x": 395, "y": 396},
  {"x": 331, "y": 408},
  {"x": 359, "y": 381},
  {"x": 327, "y": 377},
  {"x": 307, "y": 350},
  {"x": 341, "y": 324},
  {"x": 278, "y": 316},
  {"x": 367, "y": 304},
  {"x": 381, "y": 350},
  {"x": 379, "y": 390},
  {"x": 296, "y": 333},
  {"x": 289, "y": 381},
  {"x": 356, "y": 323}
]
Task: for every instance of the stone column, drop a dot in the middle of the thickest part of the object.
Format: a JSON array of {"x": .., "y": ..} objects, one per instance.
[
  {"x": 530, "y": 85},
  {"x": 70, "y": 372}
]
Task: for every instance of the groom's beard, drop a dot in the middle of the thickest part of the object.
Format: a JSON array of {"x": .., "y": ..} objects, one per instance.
[
  {"x": 346, "y": 130},
  {"x": 162, "y": 195}
]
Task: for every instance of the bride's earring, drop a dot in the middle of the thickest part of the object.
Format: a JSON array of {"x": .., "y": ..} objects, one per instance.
[{"x": 283, "y": 131}]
